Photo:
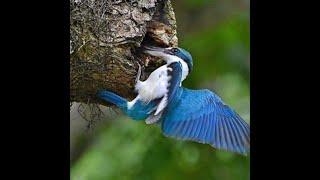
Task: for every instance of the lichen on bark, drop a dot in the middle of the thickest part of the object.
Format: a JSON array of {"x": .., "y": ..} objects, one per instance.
[{"x": 105, "y": 37}]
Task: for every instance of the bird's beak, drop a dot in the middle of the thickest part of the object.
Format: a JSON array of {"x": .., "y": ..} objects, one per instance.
[{"x": 155, "y": 51}]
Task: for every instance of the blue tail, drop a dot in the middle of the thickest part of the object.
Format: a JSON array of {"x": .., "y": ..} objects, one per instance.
[
  {"x": 113, "y": 98},
  {"x": 138, "y": 111}
]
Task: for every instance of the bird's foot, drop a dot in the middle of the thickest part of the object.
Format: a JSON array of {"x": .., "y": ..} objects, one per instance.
[{"x": 138, "y": 74}]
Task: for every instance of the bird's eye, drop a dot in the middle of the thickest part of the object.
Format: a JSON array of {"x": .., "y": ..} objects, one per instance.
[{"x": 175, "y": 50}]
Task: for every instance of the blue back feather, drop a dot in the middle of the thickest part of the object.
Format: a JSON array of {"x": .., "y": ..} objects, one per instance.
[{"x": 175, "y": 81}]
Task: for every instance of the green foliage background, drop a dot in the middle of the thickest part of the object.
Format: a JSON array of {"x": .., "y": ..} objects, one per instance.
[{"x": 217, "y": 35}]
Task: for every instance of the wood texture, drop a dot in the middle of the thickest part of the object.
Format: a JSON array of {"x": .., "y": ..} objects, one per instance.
[{"x": 106, "y": 36}]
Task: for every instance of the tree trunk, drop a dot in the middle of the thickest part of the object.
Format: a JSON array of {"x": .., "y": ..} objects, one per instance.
[{"x": 105, "y": 40}]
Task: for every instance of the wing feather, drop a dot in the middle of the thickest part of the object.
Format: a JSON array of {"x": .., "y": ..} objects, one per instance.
[
  {"x": 175, "y": 74},
  {"x": 202, "y": 116}
]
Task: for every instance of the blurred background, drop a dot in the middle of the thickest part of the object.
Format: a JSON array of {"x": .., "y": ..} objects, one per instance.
[{"x": 216, "y": 33}]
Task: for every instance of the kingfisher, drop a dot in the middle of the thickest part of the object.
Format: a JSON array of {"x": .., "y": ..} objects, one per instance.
[{"x": 182, "y": 113}]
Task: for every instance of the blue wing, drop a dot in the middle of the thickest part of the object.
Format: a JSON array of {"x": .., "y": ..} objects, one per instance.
[
  {"x": 174, "y": 84},
  {"x": 201, "y": 116},
  {"x": 175, "y": 81}
]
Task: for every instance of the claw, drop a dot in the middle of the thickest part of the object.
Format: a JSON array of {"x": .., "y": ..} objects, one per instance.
[{"x": 138, "y": 74}]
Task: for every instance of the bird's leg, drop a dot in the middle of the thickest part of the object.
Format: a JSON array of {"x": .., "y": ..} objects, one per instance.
[
  {"x": 138, "y": 82},
  {"x": 138, "y": 74}
]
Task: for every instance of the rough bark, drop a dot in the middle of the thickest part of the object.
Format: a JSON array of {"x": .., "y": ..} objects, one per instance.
[{"x": 106, "y": 36}]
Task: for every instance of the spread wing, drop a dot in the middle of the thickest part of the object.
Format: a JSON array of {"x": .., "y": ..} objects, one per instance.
[{"x": 201, "y": 116}]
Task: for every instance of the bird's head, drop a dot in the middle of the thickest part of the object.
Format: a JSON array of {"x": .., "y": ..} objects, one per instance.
[{"x": 171, "y": 54}]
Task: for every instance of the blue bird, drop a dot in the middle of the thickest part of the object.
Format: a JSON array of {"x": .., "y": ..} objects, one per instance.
[{"x": 195, "y": 115}]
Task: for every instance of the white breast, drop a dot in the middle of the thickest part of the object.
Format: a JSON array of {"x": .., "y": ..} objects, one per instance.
[{"x": 155, "y": 86}]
